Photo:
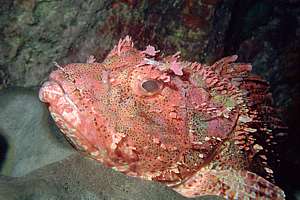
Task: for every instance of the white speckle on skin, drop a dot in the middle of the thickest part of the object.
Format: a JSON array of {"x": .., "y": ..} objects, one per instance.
[
  {"x": 258, "y": 147},
  {"x": 72, "y": 117},
  {"x": 263, "y": 157},
  {"x": 95, "y": 153},
  {"x": 116, "y": 138},
  {"x": 84, "y": 147},
  {"x": 244, "y": 119},
  {"x": 173, "y": 115},
  {"x": 268, "y": 170},
  {"x": 251, "y": 130},
  {"x": 151, "y": 62}
]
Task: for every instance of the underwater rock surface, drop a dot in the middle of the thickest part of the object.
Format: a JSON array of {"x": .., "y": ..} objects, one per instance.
[
  {"x": 40, "y": 164},
  {"x": 36, "y": 33},
  {"x": 79, "y": 177},
  {"x": 24, "y": 126}
]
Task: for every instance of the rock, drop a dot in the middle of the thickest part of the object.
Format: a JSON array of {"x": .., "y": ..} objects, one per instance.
[
  {"x": 32, "y": 142},
  {"x": 79, "y": 177},
  {"x": 36, "y": 33}
]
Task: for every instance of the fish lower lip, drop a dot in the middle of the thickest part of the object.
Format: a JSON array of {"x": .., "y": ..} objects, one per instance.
[{"x": 50, "y": 90}]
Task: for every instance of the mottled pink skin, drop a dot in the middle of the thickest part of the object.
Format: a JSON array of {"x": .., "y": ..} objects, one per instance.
[{"x": 156, "y": 118}]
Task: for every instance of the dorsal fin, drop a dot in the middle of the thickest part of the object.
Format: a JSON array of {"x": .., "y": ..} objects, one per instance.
[{"x": 123, "y": 45}]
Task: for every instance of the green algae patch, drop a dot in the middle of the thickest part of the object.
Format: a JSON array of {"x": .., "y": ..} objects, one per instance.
[
  {"x": 228, "y": 102},
  {"x": 198, "y": 124}
]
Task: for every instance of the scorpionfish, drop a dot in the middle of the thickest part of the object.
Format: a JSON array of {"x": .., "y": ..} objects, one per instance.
[{"x": 199, "y": 129}]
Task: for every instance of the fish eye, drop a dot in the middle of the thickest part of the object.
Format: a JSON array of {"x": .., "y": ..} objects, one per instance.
[{"x": 151, "y": 86}]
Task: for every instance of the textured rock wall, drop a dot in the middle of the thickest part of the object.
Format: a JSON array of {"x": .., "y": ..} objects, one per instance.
[{"x": 36, "y": 33}]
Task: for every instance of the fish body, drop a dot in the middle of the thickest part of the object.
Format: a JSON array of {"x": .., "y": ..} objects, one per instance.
[{"x": 197, "y": 128}]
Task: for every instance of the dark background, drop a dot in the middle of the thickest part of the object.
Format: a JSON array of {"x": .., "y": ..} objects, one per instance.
[{"x": 34, "y": 33}]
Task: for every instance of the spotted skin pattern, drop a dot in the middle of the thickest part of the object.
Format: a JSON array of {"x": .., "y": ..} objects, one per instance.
[{"x": 202, "y": 130}]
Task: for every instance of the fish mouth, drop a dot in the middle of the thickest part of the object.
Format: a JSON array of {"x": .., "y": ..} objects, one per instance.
[
  {"x": 50, "y": 91},
  {"x": 63, "y": 110}
]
